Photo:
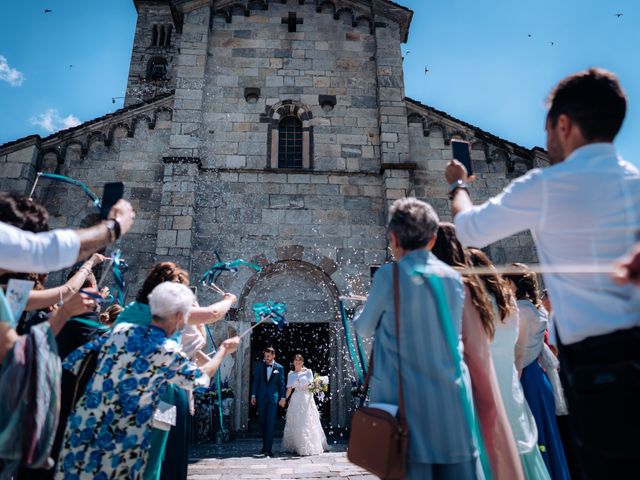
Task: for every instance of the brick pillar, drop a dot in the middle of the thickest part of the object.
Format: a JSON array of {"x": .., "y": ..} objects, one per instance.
[
  {"x": 182, "y": 161},
  {"x": 177, "y": 211},
  {"x": 394, "y": 130},
  {"x": 190, "y": 83}
]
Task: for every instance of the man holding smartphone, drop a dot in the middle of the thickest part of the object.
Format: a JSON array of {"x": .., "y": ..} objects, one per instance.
[
  {"x": 22, "y": 251},
  {"x": 583, "y": 210}
]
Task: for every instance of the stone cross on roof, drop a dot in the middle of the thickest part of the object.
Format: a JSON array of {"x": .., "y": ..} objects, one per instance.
[{"x": 293, "y": 21}]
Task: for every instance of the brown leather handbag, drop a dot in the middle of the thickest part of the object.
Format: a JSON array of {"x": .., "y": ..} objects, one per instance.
[{"x": 379, "y": 442}]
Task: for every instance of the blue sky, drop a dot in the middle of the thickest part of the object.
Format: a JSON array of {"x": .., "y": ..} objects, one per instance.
[{"x": 483, "y": 66}]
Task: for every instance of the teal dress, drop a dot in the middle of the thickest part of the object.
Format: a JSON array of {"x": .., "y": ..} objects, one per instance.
[{"x": 140, "y": 314}]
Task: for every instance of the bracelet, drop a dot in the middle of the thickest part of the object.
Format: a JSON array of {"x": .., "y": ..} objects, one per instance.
[{"x": 61, "y": 301}]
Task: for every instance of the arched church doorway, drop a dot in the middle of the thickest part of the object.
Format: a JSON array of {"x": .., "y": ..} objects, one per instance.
[
  {"x": 313, "y": 329},
  {"x": 311, "y": 340}
]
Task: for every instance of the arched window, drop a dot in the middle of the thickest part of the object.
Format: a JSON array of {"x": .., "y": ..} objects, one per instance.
[
  {"x": 161, "y": 40},
  {"x": 290, "y": 135},
  {"x": 154, "y": 36},
  {"x": 167, "y": 42},
  {"x": 290, "y": 143},
  {"x": 157, "y": 69}
]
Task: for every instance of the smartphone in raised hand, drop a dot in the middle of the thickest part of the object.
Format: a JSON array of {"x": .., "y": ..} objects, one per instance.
[
  {"x": 112, "y": 193},
  {"x": 462, "y": 152}
]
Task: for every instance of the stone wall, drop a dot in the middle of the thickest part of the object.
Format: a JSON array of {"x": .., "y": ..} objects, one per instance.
[
  {"x": 325, "y": 56},
  {"x": 496, "y": 163}
]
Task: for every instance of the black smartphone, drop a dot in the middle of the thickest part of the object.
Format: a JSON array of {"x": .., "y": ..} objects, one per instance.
[
  {"x": 111, "y": 194},
  {"x": 462, "y": 152}
]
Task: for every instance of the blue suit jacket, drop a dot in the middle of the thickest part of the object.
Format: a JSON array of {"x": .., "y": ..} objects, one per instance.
[{"x": 268, "y": 391}]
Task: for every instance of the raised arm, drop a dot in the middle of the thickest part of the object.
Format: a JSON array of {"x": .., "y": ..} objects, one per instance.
[
  {"x": 227, "y": 347},
  {"x": 50, "y": 251},
  {"x": 39, "y": 299},
  {"x": 516, "y": 209},
  {"x": 213, "y": 312},
  {"x": 77, "y": 305}
]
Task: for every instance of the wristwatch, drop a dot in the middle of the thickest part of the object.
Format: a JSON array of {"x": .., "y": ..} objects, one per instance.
[
  {"x": 455, "y": 186},
  {"x": 114, "y": 228}
]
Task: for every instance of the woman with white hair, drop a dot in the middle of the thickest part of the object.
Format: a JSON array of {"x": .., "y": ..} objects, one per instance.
[{"x": 107, "y": 436}]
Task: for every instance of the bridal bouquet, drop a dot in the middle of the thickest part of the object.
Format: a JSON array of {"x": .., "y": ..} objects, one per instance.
[{"x": 319, "y": 386}]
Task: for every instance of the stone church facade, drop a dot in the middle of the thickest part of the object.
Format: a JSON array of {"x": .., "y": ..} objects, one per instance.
[{"x": 273, "y": 131}]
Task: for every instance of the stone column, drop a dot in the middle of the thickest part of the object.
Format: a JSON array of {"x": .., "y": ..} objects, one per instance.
[
  {"x": 394, "y": 130},
  {"x": 182, "y": 161},
  {"x": 177, "y": 211},
  {"x": 190, "y": 81}
]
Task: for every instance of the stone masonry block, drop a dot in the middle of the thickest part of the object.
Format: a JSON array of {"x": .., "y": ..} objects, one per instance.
[{"x": 166, "y": 238}]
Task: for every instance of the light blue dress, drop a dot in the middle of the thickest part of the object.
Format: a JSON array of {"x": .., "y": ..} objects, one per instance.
[
  {"x": 521, "y": 419},
  {"x": 438, "y": 431}
]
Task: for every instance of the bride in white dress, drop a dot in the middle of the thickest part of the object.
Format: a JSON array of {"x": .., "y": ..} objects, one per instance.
[{"x": 303, "y": 433}]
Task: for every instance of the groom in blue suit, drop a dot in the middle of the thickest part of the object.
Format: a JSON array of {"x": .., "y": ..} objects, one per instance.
[{"x": 267, "y": 392}]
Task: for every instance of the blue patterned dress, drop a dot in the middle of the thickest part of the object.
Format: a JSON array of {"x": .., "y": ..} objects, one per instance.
[{"x": 107, "y": 436}]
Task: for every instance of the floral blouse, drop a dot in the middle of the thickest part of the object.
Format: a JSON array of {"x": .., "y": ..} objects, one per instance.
[{"x": 108, "y": 434}]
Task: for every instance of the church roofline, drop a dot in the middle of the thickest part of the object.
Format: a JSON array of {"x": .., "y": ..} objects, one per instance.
[
  {"x": 479, "y": 133},
  {"x": 37, "y": 139},
  {"x": 394, "y": 11}
]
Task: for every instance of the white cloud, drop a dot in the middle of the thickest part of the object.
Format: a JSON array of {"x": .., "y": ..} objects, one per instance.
[
  {"x": 10, "y": 75},
  {"x": 52, "y": 121}
]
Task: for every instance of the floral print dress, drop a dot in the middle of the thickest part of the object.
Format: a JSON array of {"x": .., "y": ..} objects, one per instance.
[{"x": 107, "y": 436}]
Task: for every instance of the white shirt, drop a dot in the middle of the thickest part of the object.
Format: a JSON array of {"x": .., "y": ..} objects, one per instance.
[
  {"x": 22, "y": 251},
  {"x": 586, "y": 211},
  {"x": 270, "y": 367}
]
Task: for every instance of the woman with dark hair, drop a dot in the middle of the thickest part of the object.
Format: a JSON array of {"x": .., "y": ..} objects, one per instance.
[
  {"x": 502, "y": 350},
  {"x": 138, "y": 312},
  {"x": 536, "y": 385},
  {"x": 303, "y": 432},
  {"x": 478, "y": 329}
]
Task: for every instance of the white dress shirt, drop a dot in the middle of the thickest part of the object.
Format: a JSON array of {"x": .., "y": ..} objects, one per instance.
[
  {"x": 22, "y": 251},
  {"x": 585, "y": 211}
]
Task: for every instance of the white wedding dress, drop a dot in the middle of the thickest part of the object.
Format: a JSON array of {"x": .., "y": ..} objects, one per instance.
[{"x": 303, "y": 433}]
